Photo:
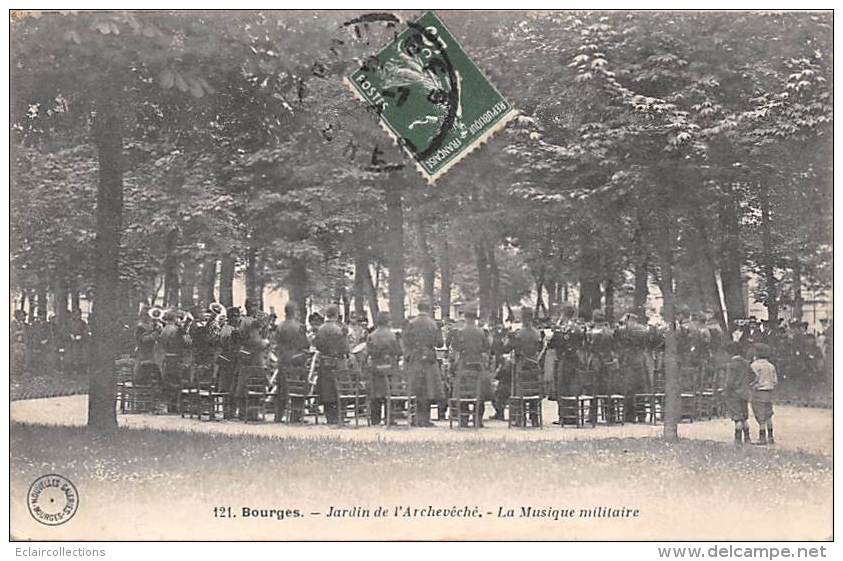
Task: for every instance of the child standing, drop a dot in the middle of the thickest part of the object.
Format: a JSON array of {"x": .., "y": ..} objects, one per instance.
[
  {"x": 737, "y": 391},
  {"x": 762, "y": 394}
]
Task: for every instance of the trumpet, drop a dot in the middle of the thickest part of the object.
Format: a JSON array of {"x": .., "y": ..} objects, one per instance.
[{"x": 156, "y": 313}]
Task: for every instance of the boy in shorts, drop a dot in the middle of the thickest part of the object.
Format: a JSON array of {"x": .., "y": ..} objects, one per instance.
[
  {"x": 737, "y": 391},
  {"x": 762, "y": 393}
]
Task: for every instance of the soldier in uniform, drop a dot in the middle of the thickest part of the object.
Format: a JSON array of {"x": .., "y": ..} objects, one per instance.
[
  {"x": 175, "y": 343},
  {"x": 251, "y": 358},
  {"x": 503, "y": 372},
  {"x": 292, "y": 345},
  {"x": 632, "y": 342},
  {"x": 471, "y": 348},
  {"x": 332, "y": 344},
  {"x": 229, "y": 350},
  {"x": 205, "y": 347},
  {"x": 601, "y": 362},
  {"x": 567, "y": 342},
  {"x": 146, "y": 370},
  {"x": 526, "y": 345},
  {"x": 383, "y": 352},
  {"x": 421, "y": 339},
  {"x": 692, "y": 344}
]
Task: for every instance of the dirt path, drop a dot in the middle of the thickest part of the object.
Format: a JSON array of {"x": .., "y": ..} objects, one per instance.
[{"x": 797, "y": 428}]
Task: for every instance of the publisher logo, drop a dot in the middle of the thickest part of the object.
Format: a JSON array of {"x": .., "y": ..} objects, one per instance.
[{"x": 52, "y": 500}]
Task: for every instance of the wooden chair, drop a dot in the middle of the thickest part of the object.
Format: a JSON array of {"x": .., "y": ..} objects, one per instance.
[
  {"x": 131, "y": 396},
  {"x": 254, "y": 400},
  {"x": 527, "y": 396},
  {"x": 464, "y": 403},
  {"x": 352, "y": 397},
  {"x": 400, "y": 401},
  {"x": 569, "y": 407},
  {"x": 300, "y": 402}
]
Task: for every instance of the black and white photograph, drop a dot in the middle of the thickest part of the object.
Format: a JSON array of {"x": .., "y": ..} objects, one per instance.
[{"x": 421, "y": 275}]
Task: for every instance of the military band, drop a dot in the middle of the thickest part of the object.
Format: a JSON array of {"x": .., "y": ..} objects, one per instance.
[{"x": 574, "y": 359}]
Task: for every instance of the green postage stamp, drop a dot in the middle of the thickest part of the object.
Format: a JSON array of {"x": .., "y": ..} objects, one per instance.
[{"x": 431, "y": 98}]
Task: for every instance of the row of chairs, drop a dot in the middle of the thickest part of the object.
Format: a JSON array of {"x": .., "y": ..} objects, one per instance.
[{"x": 204, "y": 401}]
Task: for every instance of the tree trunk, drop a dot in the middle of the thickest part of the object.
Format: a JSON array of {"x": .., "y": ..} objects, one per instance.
[
  {"x": 495, "y": 289},
  {"x": 395, "y": 253},
  {"x": 171, "y": 269},
  {"x": 227, "y": 281},
  {"x": 672, "y": 394},
  {"x": 361, "y": 269},
  {"x": 23, "y": 298},
  {"x": 639, "y": 296},
  {"x": 372, "y": 292},
  {"x": 208, "y": 282},
  {"x": 73, "y": 288},
  {"x": 769, "y": 265},
  {"x": 41, "y": 302},
  {"x": 427, "y": 262},
  {"x": 798, "y": 302},
  {"x": 609, "y": 293},
  {"x": 708, "y": 274},
  {"x": 484, "y": 281},
  {"x": 731, "y": 259},
  {"x": 297, "y": 287},
  {"x": 188, "y": 286},
  {"x": 60, "y": 299},
  {"x": 589, "y": 283},
  {"x": 252, "y": 275},
  {"x": 108, "y": 138},
  {"x": 445, "y": 276},
  {"x": 539, "y": 292}
]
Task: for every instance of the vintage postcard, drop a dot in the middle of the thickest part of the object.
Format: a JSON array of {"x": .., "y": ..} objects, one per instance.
[{"x": 421, "y": 275}]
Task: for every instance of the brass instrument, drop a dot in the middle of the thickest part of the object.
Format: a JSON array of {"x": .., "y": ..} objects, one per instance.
[
  {"x": 313, "y": 373},
  {"x": 156, "y": 313}
]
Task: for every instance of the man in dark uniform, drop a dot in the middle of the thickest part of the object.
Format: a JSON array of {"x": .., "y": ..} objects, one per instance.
[
  {"x": 383, "y": 352},
  {"x": 567, "y": 341},
  {"x": 251, "y": 360},
  {"x": 229, "y": 349},
  {"x": 332, "y": 344},
  {"x": 502, "y": 370},
  {"x": 175, "y": 342},
  {"x": 632, "y": 340},
  {"x": 601, "y": 362},
  {"x": 292, "y": 345},
  {"x": 526, "y": 345},
  {"x": 421, "y": 339},
  {"x": 205, "y": 347},
  {"x": 471, "y": 348},
  {"x": 146, "y": 336}
]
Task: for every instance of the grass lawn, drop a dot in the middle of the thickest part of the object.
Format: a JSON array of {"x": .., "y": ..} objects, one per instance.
[
  {"x": 164, "y": 485},
  {"x": 47, "y": 384}
]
